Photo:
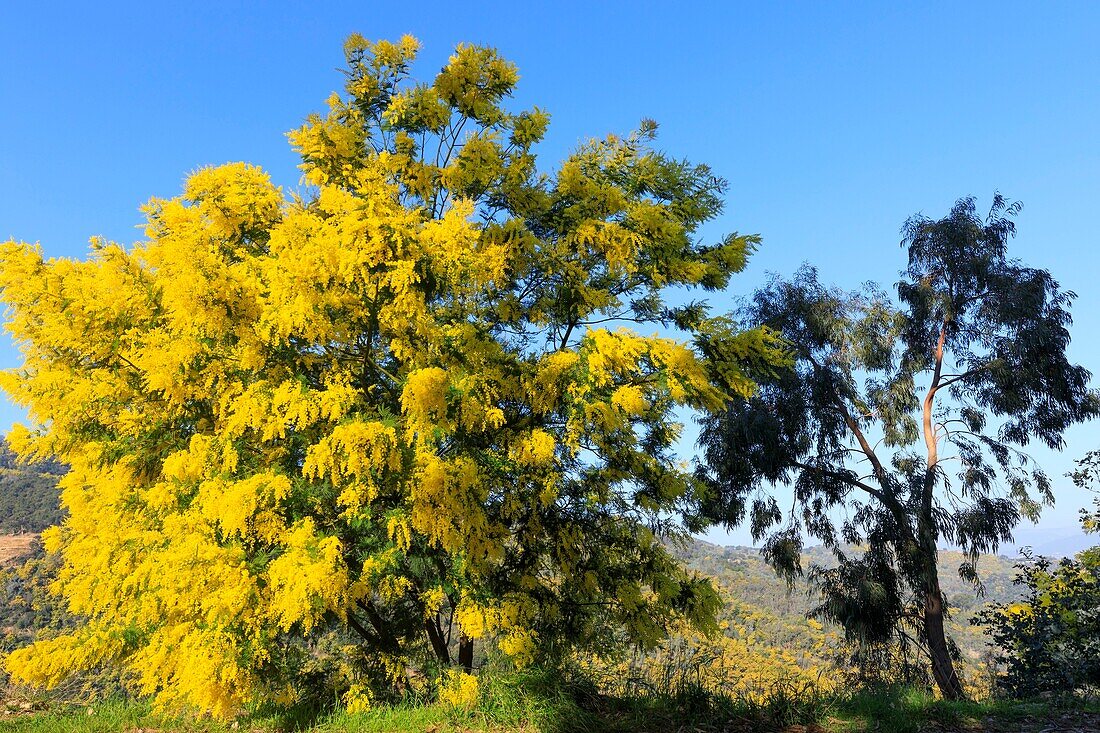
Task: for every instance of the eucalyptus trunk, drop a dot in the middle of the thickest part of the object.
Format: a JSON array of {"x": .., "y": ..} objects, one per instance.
[{"x": 935, "y": 638}]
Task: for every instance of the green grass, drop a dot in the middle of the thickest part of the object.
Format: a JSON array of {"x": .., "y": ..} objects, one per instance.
[
  {"x": 538, "y": 704},
  {"x": 107, "y": 716},
  {"x": 130, "y": 717},
  {"x": 513, "y": 704}
]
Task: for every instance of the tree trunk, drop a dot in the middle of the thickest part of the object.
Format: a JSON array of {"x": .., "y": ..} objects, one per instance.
[
  {"x": 439, "y": 645},
  {"x": 466, "y": 653},
  {"x": 943, "y": 667}
]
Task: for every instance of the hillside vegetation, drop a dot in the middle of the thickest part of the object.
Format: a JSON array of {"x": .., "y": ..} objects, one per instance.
[
  {"x": 28, "y": 494},
  {"x": 780, "y": 612}
]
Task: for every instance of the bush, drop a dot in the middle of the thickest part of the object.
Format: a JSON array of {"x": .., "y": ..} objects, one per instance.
[{"x": 1050, "y": 641}]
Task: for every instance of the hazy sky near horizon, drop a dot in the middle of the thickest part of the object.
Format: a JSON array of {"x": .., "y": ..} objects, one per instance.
[{"x": 832, "y": 124}]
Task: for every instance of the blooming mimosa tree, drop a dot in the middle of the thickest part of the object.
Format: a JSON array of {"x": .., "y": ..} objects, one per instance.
[{"x": 423, "y": 403}]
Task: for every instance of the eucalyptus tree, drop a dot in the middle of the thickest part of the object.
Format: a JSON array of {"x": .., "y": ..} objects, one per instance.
[{"x": 903, "y": 424}]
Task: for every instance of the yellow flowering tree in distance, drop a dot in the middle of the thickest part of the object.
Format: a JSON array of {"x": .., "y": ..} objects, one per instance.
[{"x": 415, "y": 405}]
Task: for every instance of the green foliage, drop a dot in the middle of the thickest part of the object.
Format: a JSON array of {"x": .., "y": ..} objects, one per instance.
[
  {"x": 1087, "y": 476},
  {"x": 1050, "y": 640}
]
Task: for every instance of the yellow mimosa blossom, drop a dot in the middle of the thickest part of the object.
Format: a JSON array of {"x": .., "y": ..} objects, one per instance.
[{"x": 459, "y": 689}]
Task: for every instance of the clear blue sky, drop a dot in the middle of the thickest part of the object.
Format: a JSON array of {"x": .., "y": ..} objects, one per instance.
[{"x": 832, "y": 125}]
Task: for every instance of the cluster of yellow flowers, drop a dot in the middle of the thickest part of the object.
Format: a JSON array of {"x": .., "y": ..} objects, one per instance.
[
  {"x": 459, "y": 689},
  {"x": 358, "y": 699},
  {"x": 508, "y": 620}
]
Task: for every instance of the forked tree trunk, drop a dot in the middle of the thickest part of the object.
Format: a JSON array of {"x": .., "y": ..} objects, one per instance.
[
  {"x": 442, "y": 653},
  {"x": 439, "y": 644}
]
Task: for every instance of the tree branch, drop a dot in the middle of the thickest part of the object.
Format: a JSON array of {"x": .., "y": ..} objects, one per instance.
[
  {"x": 964, "y": 375},
  {"x": 840, "y": 476}
]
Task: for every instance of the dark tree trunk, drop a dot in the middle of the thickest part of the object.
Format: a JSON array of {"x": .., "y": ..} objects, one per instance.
[
  {"x": 439, "y": 645},
  {"x": 943, "y": 667},
  {"x": 466, "y": 653},
  {"x": 939, "y": 653}
]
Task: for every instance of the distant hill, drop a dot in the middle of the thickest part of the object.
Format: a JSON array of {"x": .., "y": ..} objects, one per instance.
[
  {"x": 1052, "y": 542},
  {"x": 28, "y": 494},
  {"x": 747, "y": 580}
]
